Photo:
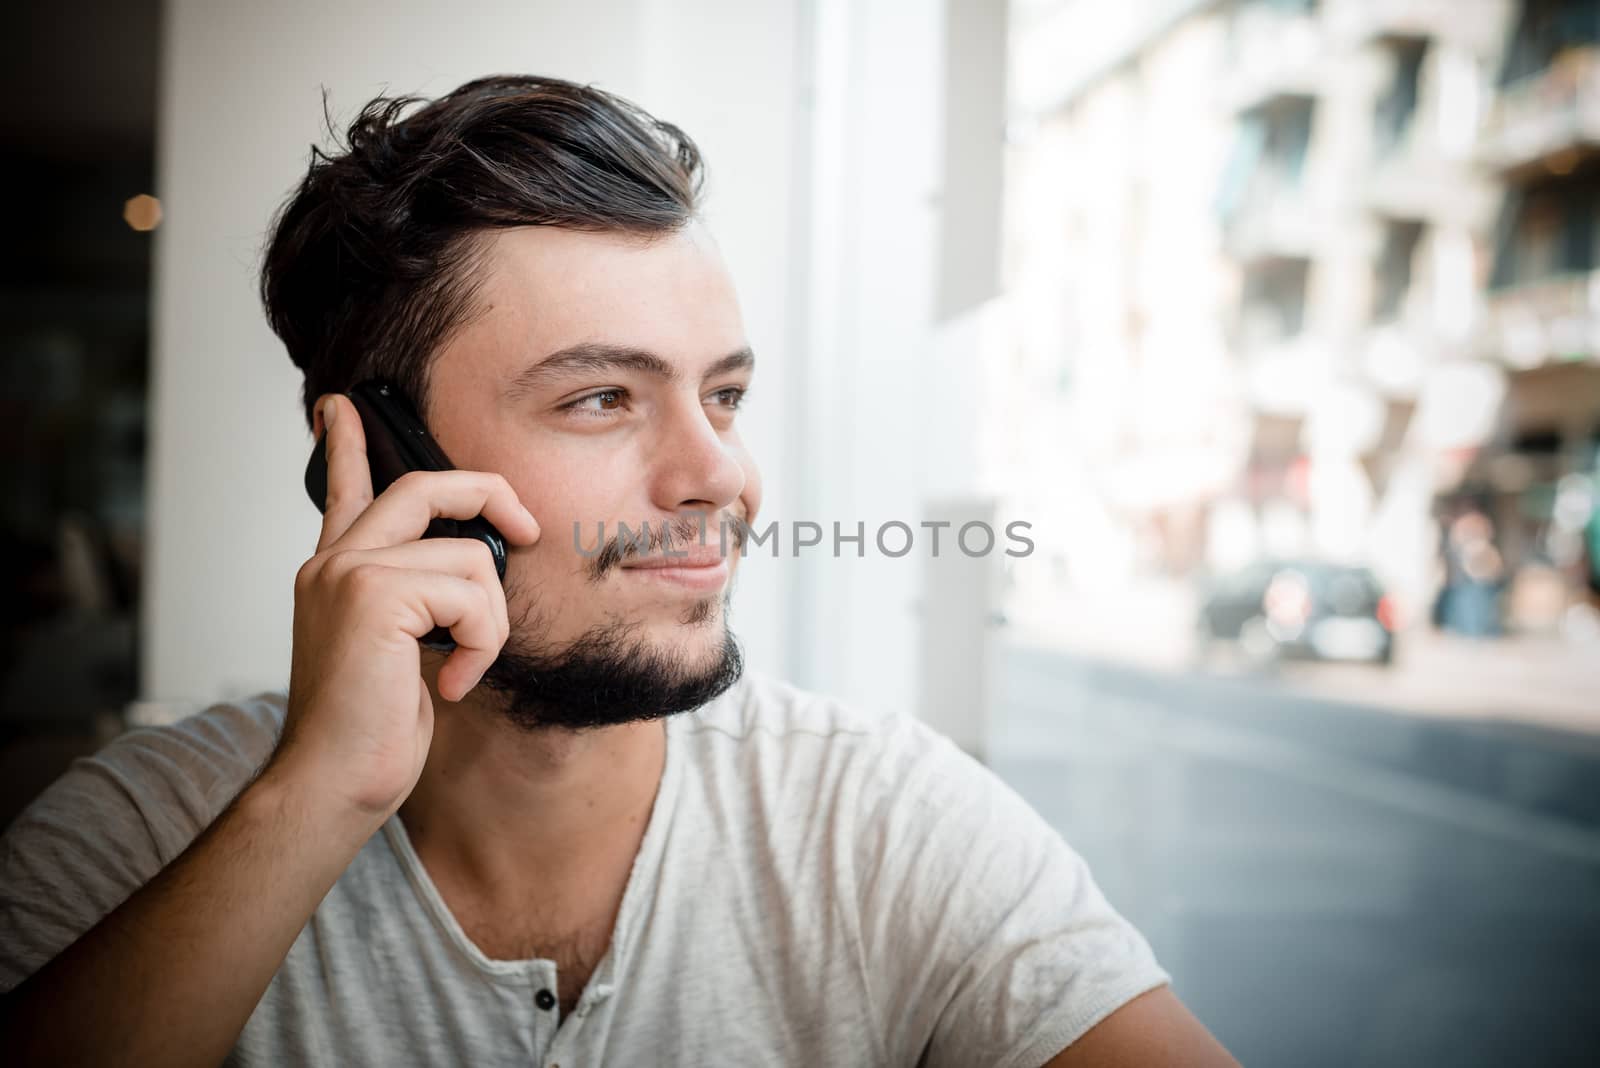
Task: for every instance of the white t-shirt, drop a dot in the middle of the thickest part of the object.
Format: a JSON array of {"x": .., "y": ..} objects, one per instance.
[{"x": 817, "y": 886}]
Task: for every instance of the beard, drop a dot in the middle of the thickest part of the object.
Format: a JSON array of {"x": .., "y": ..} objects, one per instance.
[{"x": 610, "y": 674}]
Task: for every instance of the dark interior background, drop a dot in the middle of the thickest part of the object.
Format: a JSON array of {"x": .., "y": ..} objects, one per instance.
[{"x": 77, "y": 141}]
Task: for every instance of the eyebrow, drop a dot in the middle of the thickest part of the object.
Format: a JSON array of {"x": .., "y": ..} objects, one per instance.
[{"x": 589, "y": 357}]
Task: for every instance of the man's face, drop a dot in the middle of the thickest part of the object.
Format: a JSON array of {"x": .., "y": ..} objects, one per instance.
[{"x": 602, "y": 381}]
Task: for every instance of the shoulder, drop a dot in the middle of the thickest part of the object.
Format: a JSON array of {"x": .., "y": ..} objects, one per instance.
[
  {"x": 764, "y": 706},
  {"x": 772, "y": 749},
  {"x": 770, "y": 726},
  {"x": 221, "y": 735},
  {"x": 114, "y": 819},
  {"x": 206, "y": 756},
  {"x": 980, "y": 934},
  {"x": 176, "y": 777},
  {"x": 763, "y": 710}
]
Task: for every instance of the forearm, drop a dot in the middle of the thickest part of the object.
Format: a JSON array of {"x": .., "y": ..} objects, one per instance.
[{"x": 172, "y": 974}]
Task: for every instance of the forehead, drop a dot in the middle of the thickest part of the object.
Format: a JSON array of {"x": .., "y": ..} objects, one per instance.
[{"x": 544, "y": 289}]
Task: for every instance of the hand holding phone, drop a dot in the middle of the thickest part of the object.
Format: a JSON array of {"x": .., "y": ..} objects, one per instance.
[
  {"x": 398, "y": 442},
  {"x": 383, "y": 578}
]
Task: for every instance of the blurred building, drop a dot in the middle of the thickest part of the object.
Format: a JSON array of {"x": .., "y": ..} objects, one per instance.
[{"x": 1310, "y": 277}]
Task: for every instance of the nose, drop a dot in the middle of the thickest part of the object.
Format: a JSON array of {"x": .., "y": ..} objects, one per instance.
[{"x": 693, "y": 466}]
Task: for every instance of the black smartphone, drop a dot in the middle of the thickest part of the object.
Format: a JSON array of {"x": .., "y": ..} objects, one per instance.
[{"x": 397, "y": 442}]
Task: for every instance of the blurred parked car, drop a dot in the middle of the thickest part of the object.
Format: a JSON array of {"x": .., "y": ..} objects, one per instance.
[{"x": 1298, "y": 609}]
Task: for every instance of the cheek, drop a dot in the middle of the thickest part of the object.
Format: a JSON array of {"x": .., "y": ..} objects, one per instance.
[
  {"x": 578, "y": 488},
  {"x": 563, "y": 487}
]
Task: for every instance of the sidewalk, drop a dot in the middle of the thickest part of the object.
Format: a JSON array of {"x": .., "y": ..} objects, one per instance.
[
  {"x": 1538, "y": 680},
  {"x": 1543, "y": 681}
]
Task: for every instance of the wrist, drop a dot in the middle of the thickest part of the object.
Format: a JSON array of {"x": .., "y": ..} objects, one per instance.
[{"x": 310, "y": 798}]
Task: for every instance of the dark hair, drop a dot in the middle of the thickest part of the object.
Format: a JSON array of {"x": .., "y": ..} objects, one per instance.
[{"x": 373, "y": 263}]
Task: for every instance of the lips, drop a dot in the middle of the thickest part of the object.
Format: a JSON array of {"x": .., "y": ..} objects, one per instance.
[
  {"x": 697, "y": 573},
  {"x": 695, "y": 556}
]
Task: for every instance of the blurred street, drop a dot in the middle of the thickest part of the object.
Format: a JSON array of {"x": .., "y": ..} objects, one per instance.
[
  {"x": 1538, "y": 680},
  {"x": 1330, "y": 883}
]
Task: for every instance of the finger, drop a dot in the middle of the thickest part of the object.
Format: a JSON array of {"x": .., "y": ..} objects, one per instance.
[
  {"x": 349, "y": 477},
  {"x": 465, "y": 558},
  {"x": 402, "y": 512},
  {"x": 430, "y": 599}
]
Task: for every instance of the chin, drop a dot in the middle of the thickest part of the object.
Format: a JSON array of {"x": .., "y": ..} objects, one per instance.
[
  {"x": 622, "y": 668},
  {"x": 696, "y": 629}
]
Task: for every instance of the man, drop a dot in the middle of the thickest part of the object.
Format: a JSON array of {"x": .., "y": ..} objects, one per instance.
[{"x": 584, "y": 836}]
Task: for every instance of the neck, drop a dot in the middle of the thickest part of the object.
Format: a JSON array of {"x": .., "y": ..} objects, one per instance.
[{"x": 499, "y": 806}]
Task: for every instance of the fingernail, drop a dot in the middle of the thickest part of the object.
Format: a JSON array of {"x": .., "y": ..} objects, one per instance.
[{"x": 329, "y": 409}]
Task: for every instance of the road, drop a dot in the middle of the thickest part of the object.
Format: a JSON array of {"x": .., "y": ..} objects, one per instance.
[{"x": 1329, "y": 883}]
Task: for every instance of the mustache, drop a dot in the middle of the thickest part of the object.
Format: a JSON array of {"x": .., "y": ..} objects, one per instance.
[{"x": 649, "y": 539}]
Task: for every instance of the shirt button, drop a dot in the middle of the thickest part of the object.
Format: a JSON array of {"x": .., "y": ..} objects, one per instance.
[{"x": 545, "y": 1000}]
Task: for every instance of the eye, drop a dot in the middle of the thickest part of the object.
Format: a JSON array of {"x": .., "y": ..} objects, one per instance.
[
  {"x": 732, "y": 397},
  {"x": 600, "y": 404}
]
